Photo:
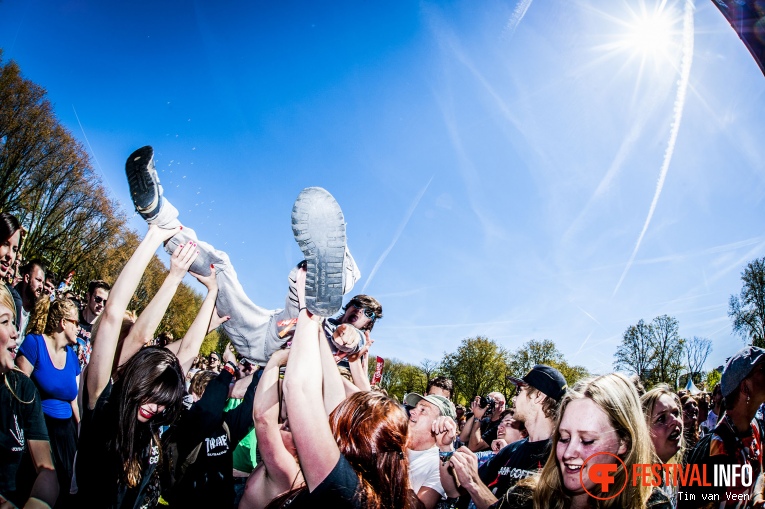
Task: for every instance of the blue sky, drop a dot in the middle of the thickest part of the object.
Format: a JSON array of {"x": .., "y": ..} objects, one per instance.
[{"x": 520, "y": 170}]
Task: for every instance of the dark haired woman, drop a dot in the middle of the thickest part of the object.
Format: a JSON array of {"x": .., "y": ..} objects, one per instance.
[
  {"x": 122, "y": 411},
  {"x": 10, "y": 242},
  {"x": 357, "y": 458},
  {"x": 22, "y": 426},
  {"x": 49, "y": 360}
]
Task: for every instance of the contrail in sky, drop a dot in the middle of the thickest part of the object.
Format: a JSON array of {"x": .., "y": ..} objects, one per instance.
[
  {"x": 95, "y": 158},
  {"x": 685, "y": 72},
  {"x": 398, "y": 234},
  {"x": 518, "y": 13}
]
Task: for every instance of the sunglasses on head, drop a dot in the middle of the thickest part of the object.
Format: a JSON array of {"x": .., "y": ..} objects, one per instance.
[
  {"x": 367, "y": 312},
  {"x": 99, "y": 299}
]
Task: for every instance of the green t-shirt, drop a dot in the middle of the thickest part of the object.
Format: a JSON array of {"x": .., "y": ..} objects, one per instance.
[{"x": 244, "y": 454}]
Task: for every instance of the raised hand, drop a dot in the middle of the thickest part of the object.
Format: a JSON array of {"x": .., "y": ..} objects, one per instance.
[
  {"x": 182, "y": 258},
  {"x": 445, "y": 430}
]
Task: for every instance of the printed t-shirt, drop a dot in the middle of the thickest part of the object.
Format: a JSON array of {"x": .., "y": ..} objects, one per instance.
[
  {"x": 514, "y": 462},
  {"x": 19, "y": 423},
  {"x": 722, "y": 447}
]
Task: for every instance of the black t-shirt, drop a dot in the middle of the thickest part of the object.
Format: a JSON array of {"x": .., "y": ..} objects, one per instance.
[
  {"x": 208, "y": 481},
  {"x": 489, "y": 431},
  {"x": 19, "y": 423},
  {"x": 338, "y": 490},
  {"x": 98, "y": 469},
  {"x": 513, "y": 463}
]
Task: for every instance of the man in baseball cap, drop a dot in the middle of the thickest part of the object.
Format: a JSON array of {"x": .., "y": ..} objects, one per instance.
[
  {"x": 736, "y": 439},
  {"x": 421, "y": 445},
  {"x": 536, "y": 406}
]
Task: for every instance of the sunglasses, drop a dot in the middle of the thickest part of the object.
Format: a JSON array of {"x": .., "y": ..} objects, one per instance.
[
  {"x": 99, "y": 299},
  {"x": 367, "y": 312},
  {"x": 75, "y": 322}
]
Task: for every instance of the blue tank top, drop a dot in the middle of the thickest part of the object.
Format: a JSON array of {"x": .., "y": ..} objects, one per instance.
[{"x": 58, "y": 387}]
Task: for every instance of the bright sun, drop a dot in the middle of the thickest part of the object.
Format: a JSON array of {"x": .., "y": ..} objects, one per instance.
[
  {"x": 650, "y": 31},
  {"x": 650, "y": 34}
]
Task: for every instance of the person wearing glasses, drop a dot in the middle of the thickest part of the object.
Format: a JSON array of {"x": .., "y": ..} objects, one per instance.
[
  {"x": 49, "y": 360},
  {"x": 257, "y": 332},
  {"x": 95, "y": 302}
]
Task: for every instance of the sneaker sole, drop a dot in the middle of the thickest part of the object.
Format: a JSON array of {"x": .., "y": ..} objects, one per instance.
[
  {"x": 319, "y": 229},
  {"x": 143, "y": 182}
]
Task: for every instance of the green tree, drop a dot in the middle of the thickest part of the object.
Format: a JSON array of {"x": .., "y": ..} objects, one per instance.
[
  {"x": 747, "y": 310},
  {"x": 542, "y": 352},
  {"x": 635, "y": 354},
  {"x": 400, "y": 378},
  {"x": 479, "y": 366}
]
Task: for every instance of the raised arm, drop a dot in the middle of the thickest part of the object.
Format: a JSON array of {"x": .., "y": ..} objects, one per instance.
[
  {"x": 359, "y": 366},
  {"x": 280, "y": 464},
  {"x": 146, "y": 325},
  {"x": 107, "y": 332},
  {"x": 192, "y": 341},
  {"x": 332, "y": 381},
  {"x": 316, "y": 446}
]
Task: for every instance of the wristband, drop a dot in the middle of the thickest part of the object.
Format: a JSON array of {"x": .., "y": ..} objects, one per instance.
[
  {"x": 230, "y": 368},
  {"x": 445, "y": 456}
]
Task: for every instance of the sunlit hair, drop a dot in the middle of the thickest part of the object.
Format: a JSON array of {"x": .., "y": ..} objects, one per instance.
[
  {"x": 371, "y": 432},
  {"x": 371, "y": 429},
  {"x": 199, "y": 382},
  {"x": 60, "y": 309},
  {"x": 648, "y": 401},
  {"x": 370, "y": 303},
  {"x": 6, "y": 299},
  {"x": 618, "y": 398},
  {"x": 128, "y": 320},
  {"x": 153, "y": 375}
]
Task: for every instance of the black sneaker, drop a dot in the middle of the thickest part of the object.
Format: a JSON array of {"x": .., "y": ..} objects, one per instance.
[
  {"x": 143, "y": 181},
  {"x": 319, "y": 229}
]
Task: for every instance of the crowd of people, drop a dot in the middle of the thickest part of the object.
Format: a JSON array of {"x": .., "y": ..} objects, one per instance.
[{"x": 100, "y": 411}]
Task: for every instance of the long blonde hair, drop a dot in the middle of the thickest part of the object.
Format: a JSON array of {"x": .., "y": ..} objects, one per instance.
[
  {"x": 648, "y": 400},
  {"x": 618, "y": 398}
]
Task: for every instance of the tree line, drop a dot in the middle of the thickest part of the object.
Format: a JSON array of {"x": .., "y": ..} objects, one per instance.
[
  {"x": 479, "y": 366},
  {"x": 70, "y": 222},
  {"x": 656, "y": 352}
]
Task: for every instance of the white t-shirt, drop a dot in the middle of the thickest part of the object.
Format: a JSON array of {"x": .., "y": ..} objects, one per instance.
[{"x": 423, "y": 470}]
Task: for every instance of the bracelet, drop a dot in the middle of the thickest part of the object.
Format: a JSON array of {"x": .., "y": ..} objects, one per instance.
[
  {"x": 445, "y": 456},
  {"x": 229, "y": 367}
]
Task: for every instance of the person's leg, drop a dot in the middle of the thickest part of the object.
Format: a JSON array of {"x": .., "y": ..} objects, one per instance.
[{"x": 249, "y": 323}]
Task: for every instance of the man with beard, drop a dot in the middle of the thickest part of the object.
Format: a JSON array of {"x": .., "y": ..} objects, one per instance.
[
  {"x": 536, "y": 406},
  {"x": 95, "y": 301},
  {"x": 30, "y": 288}
]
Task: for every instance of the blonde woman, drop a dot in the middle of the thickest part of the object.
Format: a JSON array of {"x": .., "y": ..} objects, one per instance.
[
  {"x": 600, "y": 415},
  {"x": 663, "y": 414},
  {"x": 49, "y": 360},
  {"x": 22, "y": 426}
]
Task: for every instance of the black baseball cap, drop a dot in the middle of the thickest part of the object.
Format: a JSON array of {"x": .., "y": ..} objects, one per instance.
[{"x": 545, "y": 379}]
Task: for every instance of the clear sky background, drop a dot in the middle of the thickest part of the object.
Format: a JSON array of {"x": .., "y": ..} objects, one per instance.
[{"x": 519, "y": 169}]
